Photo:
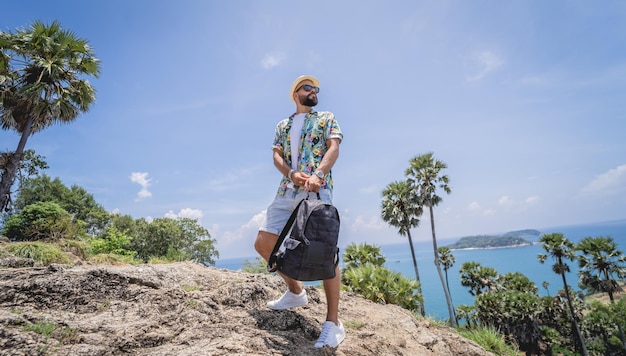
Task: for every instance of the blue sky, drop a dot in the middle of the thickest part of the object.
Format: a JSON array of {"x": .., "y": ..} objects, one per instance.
[{"x": 523, "y": 100}]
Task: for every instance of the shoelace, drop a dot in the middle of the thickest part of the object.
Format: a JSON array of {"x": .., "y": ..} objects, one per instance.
[{"x": 325, "y": 331}]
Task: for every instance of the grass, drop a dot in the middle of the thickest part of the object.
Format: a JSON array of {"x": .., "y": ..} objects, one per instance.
[
  {"x": 192, "y": 303},
  {"x": 43, "y": 328},
  {"x": 490, "y": 339},
  {"x": 354, "y": 325},
  {"x": 191, "y": 288},
  {"x": 112, "y": 259},
  {"x": 42, "y": 253}
]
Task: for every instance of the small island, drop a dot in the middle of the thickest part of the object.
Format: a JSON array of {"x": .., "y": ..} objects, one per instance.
[{"x": 509, "y": 239}]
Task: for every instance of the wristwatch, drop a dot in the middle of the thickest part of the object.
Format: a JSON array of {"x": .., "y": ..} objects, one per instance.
[{"x": 319, "y": 174}]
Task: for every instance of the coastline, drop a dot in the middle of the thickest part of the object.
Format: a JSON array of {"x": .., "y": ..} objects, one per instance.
[{"x": 493, "y": 247}]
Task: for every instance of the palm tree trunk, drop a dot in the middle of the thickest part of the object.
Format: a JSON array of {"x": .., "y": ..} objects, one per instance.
[
  {"x": 446, "y": 292},
  {"x": 573, "y": 315},
  {"x": 445, "y": 271},
  {"x": 8, "y": 176},
  {"x": 417, "y": 274}
]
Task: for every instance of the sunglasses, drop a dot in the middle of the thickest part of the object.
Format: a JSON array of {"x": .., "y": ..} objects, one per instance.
[{"x": 308, "y": 87}]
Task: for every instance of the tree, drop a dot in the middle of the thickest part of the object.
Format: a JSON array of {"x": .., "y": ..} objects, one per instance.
[
  {"x": 561, "y": 248},
  {"x": 545, "y": 285},
  {"x": 600, "y": 324},
  {"x": 599, "y": 264},
  {"x": 477, "y": 278},
  {"x": 175, "y": 240},
  {"x": 76, "y": 200},
  {"x": 399, "y": 210},
  {"x": 42, "y": 72},
  {"x": 358, "y": 255},
  {"x": 425, "y": 178},
  {"x": 31, "y": 165},
  {"x": 513, "y": 313},
  {"x": 465, "y": 311},
  {"x": 516, "y": 281},
  {"x": 41, "y": 221}
]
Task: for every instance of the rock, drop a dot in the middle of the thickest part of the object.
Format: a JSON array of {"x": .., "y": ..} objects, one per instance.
[
  {"x": 190, "y": 309},
  {"x": 16, "y": 262}
]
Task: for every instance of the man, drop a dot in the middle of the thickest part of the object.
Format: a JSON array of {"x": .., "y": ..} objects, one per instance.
[{"x": 306, "y": 146}]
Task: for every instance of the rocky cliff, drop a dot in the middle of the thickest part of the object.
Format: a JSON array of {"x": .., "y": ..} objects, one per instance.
[{"x": 190, "y": 309}]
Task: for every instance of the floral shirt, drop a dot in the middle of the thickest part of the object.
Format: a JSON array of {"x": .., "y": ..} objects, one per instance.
[{"x": 317, "y": 128}]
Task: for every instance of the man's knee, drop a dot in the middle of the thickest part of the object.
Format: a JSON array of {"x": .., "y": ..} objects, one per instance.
[{"x": 264, "y": 244}]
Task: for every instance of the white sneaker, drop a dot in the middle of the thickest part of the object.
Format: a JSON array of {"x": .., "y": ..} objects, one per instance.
[
  {"x": 289, "y": 300},
  {"x": 332, "y": 335}
]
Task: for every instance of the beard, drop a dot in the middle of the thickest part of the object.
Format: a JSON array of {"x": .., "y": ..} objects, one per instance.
[{"x": 308, "y": 100}]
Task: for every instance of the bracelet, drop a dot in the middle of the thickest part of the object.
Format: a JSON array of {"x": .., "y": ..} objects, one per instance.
[{"x": 290, "y": 173}]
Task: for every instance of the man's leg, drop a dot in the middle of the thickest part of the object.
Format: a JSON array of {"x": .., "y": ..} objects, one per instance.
[
  {"x": 264, "y": 245},
  {"x": 332, "y": 288},
  {"x": 333, "y": 331}
]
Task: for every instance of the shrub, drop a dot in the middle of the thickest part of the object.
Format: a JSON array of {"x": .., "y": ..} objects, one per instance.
[
  {"x": 114, "y": 242},
  {"x": 41, "y": 221},
  {"x": 382, "y": 285}
]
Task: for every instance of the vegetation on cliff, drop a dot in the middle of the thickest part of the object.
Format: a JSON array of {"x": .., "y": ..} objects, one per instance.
[{"x": 509, "y": 239}]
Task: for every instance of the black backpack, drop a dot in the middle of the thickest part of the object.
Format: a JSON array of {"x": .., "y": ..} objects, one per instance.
[{"x": 311, "y": 252}]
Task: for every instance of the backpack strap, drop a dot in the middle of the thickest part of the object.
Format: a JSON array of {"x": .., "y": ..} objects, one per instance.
[{"x": 271, "y": 263}]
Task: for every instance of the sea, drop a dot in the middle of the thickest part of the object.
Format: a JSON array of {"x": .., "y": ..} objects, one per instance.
[{"x": 512, "y": 259}]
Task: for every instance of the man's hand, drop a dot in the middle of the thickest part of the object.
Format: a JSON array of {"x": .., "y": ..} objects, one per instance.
[
  {"x": 313, "y": 184},
  {"x": 299, "y": 178}
]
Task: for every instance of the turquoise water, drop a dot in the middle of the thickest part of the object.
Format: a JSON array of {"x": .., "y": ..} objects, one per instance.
[{"x": 518, "y": 259}]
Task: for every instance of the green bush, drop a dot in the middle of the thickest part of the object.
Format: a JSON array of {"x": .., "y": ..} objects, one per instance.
[
  {"x": 113, "y": 242},
  {"x": 382, "y": 285},
  {"x": 257, "y": 266},
  {"x": 40, "y": 221}
]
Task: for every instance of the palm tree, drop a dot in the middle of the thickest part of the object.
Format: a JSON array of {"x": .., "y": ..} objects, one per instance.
[
  {"x": 561, "y": 248},
  {"x": 400, "y": 211},
  {"x": 601, "y": 260},
  {"x": 42, "y": 72},
  {"x": 545, "y": 285},
  {"x": 358, "y": 255},
  {"x": 477, "y": 277},
  {"x": 424, "y": 176},
  {"x": 446, "y": 259}
]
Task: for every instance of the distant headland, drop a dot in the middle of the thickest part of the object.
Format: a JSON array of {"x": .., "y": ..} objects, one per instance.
[{"x": 509, "y": 239}]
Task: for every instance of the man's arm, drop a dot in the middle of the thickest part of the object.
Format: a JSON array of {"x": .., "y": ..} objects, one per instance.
[
  {"x": 314, "y": 183},
  {"x": 330, "y": 157},
  {"x": 280, "y": 163}
]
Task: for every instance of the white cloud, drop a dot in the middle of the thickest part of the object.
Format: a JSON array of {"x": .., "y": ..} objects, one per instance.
[
  {"x": 142, "y": 179},
  {"x": 272, "y": 60},
  {"x": 364, "y": 223},
  {"x": 370, "y": 189},
  {"x": 489, "y": 212},
  {"x": 532, "y": 200},
  {"x": 486, "y": 61},
  {"x": 473, "y": 206},
  {"x": 611, "y": 182},
  {"x": 185, "y": 213},
  {"x": 241, "y": 241},
  {"x": 505, "y": 201}
]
